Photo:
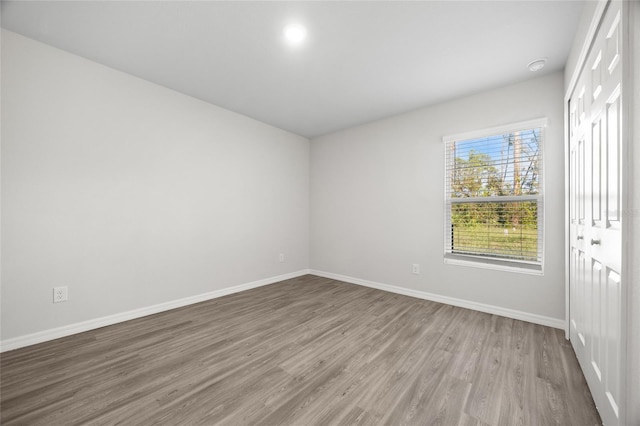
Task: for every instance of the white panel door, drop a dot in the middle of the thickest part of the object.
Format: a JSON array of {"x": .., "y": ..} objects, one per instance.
[{"x": 595, "y": 218}]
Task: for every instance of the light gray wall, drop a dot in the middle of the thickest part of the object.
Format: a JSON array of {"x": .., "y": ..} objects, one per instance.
[
  {"x": 131, "y": 194},
  {"x": 377, "y": 203}
]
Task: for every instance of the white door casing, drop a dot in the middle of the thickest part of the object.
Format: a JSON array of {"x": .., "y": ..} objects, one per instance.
[{"x": 595, "y": 204}]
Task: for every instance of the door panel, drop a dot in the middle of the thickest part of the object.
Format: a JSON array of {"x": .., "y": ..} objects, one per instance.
[
  {"x": 613, "y": 162},
  {"x": 598, "y": 323},
  {"x": 612, "y": 383},
  {"x": 596, "y": 182},
  {"x": 595, "y": 283}
]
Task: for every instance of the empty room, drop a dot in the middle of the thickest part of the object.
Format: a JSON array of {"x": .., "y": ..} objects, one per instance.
[{"x": 320, "y": 212}]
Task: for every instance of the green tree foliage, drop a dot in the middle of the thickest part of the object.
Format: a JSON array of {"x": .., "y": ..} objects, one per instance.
[
  {"x": 504, "y": 228},
  {"x": 476, "y": 222},
  {"x": 476, "y": 177}
]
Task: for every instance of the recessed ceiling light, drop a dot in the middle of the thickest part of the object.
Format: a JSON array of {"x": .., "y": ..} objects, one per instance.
[
  {"x": 537, "y": 65},
  {"x": 295, "y": 33}
]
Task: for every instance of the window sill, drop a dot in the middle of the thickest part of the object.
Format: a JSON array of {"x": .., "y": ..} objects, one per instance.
[{"x": 494, "y": 264}]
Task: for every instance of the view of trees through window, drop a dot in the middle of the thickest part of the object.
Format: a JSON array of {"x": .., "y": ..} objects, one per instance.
[{"x": 494, "y": 184}]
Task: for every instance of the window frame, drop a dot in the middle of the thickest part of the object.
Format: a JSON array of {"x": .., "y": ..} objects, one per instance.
[{"x": 488, "y": 261}]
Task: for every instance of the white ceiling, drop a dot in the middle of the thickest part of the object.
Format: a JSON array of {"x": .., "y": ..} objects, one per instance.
[{"x": 362, "y": 60}]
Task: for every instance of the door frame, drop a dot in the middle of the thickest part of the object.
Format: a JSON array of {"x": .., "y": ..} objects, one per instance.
[
  {"x": 631, "y": 238},
  {"x": 630, "y": 202}
]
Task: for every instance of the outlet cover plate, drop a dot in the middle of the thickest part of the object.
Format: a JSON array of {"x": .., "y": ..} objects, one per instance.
[{"x": 60, "y": 294}]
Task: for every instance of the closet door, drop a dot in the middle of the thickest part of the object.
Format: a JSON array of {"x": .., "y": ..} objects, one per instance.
[{"x": 595, "y": 218}]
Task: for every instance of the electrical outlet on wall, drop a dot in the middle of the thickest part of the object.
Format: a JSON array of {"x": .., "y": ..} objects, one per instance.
[
  {"x": 415, "y": 268},
  {"x": 60, "y": 294},
  {"x": 281, "y": 257}
]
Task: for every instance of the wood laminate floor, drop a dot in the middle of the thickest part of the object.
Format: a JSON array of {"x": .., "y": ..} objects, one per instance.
[{"x": 304, "y": 351}]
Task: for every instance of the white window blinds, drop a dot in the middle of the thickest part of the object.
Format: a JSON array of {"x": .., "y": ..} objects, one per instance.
[{"x": 494, "y": 197}]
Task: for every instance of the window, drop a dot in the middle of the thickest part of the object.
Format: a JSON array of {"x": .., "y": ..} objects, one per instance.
[{"x": 494, "y": 197}]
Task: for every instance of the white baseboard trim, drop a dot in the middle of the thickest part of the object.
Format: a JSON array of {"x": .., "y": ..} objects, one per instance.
[
  {"x": 67, "y": 330},
  {"x": 56, "y": 333},
  {"x": 490, "y": 309}
]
